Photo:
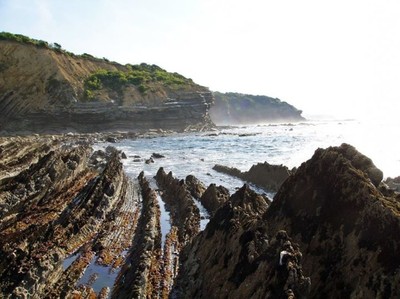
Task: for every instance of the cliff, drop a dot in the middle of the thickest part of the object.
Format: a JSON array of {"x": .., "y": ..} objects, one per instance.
[
  {"x": 44, "y": 88},
  {"x": 238, "y": 109}
]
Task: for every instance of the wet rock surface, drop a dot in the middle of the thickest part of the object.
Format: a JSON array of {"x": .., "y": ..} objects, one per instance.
[
  {"x": 58, "y": 206},
  {"x": 140, "y": 275},
  {"x": 73, "y": 225},
  {"x": 184, "y": 213}
]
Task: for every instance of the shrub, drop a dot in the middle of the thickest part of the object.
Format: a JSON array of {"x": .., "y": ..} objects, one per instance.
[{"x": 138, "y": 75}]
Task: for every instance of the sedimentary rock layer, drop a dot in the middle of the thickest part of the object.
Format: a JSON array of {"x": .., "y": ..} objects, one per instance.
[
  {"x": 43, "y": 90},
  {"x": 267, "y": 176},
  {"x": 185, "y": 215},
  {"x": 56, "y": 206},
  {"x": 235, "y": 108},
  {"x": 140, "y": 275},
  {"x": 212, "y": 198}
]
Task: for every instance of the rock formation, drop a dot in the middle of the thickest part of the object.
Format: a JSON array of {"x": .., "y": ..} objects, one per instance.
[
  {"x": 47, "y": 89},
  {"x": 393, "y": 183},
  {"x": 140, "y": 275},
  {"x": 238, "y": 109},
  {"x": 267, "y": 176},
  {"x": 56, "y": 206},
  {"x": 332, "y": 229},
  {"x": 347, "y": 230},
  {"x": 185, "y": 214},
  {"x": 195, "y": 186},
  {"x": 234, "y": 257},
  {"x": 214, "y": 197}
]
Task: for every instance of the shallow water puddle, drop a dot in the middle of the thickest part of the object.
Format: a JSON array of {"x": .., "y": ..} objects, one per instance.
[
  {"x": 165, "y": 218},
  {"x": 98, "y": 276},
  {"x": 69, "y": 260},
  {"x": 204, "y": 216}
]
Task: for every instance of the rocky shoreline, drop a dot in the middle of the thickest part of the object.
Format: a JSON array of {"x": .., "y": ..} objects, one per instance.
[{"x": 333, "y": 228}]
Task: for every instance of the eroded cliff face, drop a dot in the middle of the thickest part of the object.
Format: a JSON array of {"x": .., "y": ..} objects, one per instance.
[{"x": 43, "y": 90}]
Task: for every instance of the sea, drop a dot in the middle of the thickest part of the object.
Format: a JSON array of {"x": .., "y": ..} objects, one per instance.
[{"x": 289, "y": 144}]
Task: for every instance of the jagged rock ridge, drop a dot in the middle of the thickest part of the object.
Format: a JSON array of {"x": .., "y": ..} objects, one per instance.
[
  {"x": 234, "y": 257},
  {"x": 348, "y": 229}
]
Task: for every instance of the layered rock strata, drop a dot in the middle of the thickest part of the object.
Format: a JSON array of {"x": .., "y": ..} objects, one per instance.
[
  {"x": 332, "y": 229},
  {"x": 214, "y": 197},
  {"x": 267, "y": 176},
  {"x": 57, "y": 206},
  {"x": 211, "y": 198},
  {"x": 185, "y": 215},
  {"x": 235, "y": 109},
  {"x": 140, "y": 276},
  {"x": 47, "y": 90}
]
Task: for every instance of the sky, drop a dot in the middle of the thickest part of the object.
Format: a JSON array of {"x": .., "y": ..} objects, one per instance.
[{"x": 328, "y": 58}]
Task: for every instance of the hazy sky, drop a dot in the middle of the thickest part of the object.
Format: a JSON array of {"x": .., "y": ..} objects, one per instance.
[{"x": 324, "y": 57}]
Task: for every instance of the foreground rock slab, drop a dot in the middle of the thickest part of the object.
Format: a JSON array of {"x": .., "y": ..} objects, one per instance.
[
  {"x": 59, "y": 205},
  {"x": 347, "y": 230}
]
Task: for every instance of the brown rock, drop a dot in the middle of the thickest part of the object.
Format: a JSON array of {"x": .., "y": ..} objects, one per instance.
[
  {"x": 183, "y": 210},
  {"x": 196, "y": 187},
  {"x": 235, "y": 258},
  {"x": 214, "y": 197},
  {"x": 348, "y": 231}
]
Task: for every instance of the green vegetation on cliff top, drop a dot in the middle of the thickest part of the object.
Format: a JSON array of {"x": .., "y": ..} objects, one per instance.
[
  {"x": 141, "y": 75},
  {"x": 236, "y": 108},
  {"x": 19, "y": 38}
]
